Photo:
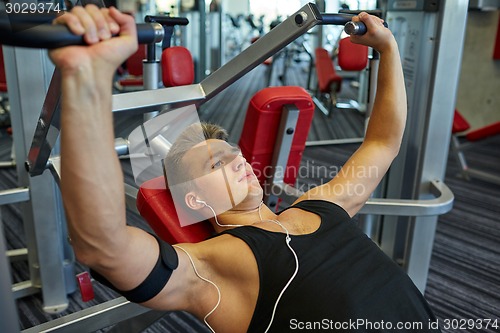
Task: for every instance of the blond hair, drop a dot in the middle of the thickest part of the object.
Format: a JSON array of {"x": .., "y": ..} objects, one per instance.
[{"x": 175, "y": 172}]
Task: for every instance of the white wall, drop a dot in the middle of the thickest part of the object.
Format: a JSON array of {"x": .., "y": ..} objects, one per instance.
[
  {"x": 479, "y": 87},
  {"x": 235, "y": 7}
]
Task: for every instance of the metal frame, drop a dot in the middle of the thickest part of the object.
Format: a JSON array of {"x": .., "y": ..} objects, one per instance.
[
  {"x": 281, "y": 152},
  {"x": 8, "y": 313},
  {"x": 92, "y": 318},
  {"x": 45, "y": 233},
  {"x": 431, "y": 55},
  {"x": 465, "y": 171}
]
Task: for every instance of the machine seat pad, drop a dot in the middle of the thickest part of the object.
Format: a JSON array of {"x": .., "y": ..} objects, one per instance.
[
  {"x": 177, "y": 66},
  {"x": 484, "y": 132},
  {"x": 459, "y": 123},
  {"x": 155, "y": 204},
  {"x": 352, "y": 57},
  {"x": 325, "y": 71}
]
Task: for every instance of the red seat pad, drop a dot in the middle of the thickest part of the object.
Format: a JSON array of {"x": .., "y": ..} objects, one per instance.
[
  {"x": 484, "y": 132},
  {"x": 134, "y": 68},
  {"x": 352, "y": 57},
  {"x": 134, "y": 62},
  {"x": 325, "y": 71},
  {"x": 261, "y": 126},
  {"x": 459, "y": 123},
  {"x": 177, "y": 66},
  {"x": 155, "y": 204},
  {"x": 131, "y": 82}
]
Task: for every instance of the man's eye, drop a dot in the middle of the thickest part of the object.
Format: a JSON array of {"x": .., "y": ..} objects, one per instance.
[{"x": 217, "y": 164}]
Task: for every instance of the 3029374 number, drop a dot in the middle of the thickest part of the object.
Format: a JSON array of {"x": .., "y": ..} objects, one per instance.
[
  {"x": 469, "y": 324},
  {"x": 31, "y": 7}
]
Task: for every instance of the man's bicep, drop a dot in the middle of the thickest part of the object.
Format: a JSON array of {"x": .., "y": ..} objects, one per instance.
[
  {"x": 126, "y": 263},
  {"x": 148, "y": 271}
]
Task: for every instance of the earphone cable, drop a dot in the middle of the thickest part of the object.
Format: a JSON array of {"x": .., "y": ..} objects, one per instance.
[
  {"x": 206, "y": 280},
  {"x": 287, "y": 241}
]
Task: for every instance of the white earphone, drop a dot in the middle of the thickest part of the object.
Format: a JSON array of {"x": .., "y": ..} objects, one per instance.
[{"x": 201, "y": 201}]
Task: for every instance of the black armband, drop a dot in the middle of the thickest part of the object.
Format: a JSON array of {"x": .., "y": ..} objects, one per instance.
[{"x": 156, "y": 280}]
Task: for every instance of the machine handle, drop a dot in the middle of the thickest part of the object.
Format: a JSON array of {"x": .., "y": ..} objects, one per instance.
[
  {"x": 335, "y": 19},
  {"x": 357, "y": 28},
  {"x": 166, "y": 20},
  {"x": 29, "y": 33},
  {"x": 350, "y": 28},
  {"x": 440, "y": 204}
]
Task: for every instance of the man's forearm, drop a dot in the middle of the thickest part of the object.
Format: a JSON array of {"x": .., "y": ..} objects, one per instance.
[
  {"x": 91, "y": 178},
  {"x": 388, "y": 118}
]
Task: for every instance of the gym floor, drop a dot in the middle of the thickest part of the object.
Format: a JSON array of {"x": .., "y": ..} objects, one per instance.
[{"x": 464, "y": 275}]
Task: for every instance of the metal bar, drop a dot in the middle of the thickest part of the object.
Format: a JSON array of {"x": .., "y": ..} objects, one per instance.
[
  {"x": 408, "y": 207},
  {"x": 8, "y": 315},
  {"x": 153, "y": 100},
  {"x": 15, "y": 195},
  {"x": 282, "y": 148},
  {"x": 488, "y": 177},
  {"x": 333, "y": 142},
  {"x": 442, "y": 203},
  {"x": 23, "y": 289},
  {"x": 54, "y": 166},
  {"x": 320, "y": 106},
  {"x": 139, "y": 323},
  {"x": 17, "y": 254},
  {"x": 131, "y": 198},
  {"x": 93, "y": 318},
  {"x": 47, "y": 129}
]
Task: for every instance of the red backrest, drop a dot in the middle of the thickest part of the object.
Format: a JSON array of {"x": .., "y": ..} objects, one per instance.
[
  {"x": 177, "y": 66},
  {"x": 459, "y": 123},
  {"x": 155, "y": 204},
  {"x": 352, "y": 57},
  {"x": 3, "y": 80},
  {"x": 261, "y": 125},
  {"x": 325, "y": 71}
]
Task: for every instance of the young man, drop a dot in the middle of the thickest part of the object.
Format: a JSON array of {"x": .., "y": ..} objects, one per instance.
[{"x": 308, "y": 267}]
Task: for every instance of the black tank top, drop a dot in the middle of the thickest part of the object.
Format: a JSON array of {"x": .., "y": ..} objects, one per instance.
[{"x": 345, "y": 282}]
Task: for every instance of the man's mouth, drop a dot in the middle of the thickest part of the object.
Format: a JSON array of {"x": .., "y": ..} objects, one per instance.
[{"x": 247, "y": 175}]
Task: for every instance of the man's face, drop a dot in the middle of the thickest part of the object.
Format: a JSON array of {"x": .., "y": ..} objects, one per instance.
[{"x": 221, "y": 175}]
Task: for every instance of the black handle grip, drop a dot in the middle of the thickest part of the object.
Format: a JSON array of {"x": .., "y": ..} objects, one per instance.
[
  {"x": 48, "y": 36},
  {"x": 335, "y": 19},
  {"x": 351, "y": 28},
  {"x": 166, "y": 20}
]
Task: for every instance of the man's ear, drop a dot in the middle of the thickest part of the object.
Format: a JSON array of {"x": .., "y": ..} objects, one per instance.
[{"x": 193, "y": 202}]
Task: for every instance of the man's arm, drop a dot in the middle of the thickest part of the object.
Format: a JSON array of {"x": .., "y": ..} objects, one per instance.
[
  {"x": 91, "y": 177},
  {"x": 364, "y": 170}
]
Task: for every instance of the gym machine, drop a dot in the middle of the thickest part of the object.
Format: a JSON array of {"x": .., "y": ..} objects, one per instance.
[
  {"x": 430, "y": 35},
  {"x": 47, "y": 130}
]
